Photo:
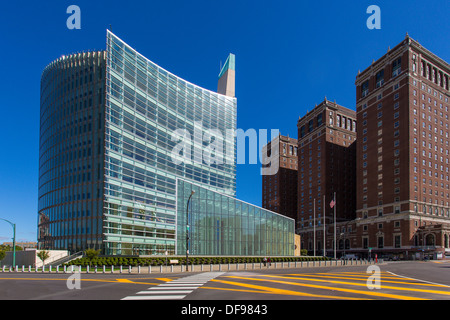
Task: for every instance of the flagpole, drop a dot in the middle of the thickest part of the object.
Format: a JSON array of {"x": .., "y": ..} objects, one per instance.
[
  {"x": 314, "y": 227},
  {"x": 335, "y": 225}
]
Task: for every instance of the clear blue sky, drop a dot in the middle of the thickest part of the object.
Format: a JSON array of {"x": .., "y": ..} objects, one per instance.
[{"x": 289, "y": 56}]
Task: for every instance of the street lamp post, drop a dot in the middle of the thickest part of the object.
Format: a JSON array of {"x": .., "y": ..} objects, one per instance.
[
  {"x": 187, "y": 230},
  {"x": 14, "y": 241}
]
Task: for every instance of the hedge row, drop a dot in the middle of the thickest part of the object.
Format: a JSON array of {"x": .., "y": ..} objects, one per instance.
[{"x": 156, "y": 261}]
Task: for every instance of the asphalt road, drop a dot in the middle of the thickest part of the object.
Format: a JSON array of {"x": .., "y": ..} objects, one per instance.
[{"x": 397, "y": 281}]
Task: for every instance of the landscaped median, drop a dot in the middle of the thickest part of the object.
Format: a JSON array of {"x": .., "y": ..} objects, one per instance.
[{"x": 162, "y": 260}]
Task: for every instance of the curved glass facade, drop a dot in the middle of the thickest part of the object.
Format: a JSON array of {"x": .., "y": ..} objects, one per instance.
[
  {"x": 145, "y": 105},
  {"x": 71, "y": 152}
]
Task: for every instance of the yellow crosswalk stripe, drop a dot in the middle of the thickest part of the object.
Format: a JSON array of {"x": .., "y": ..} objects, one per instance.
[
  {"x": 369, "y": 293},
  {"x": 270, "y": 290},
  {"x": 365, "y": 285},
  {"x": 383, "y": 279}
]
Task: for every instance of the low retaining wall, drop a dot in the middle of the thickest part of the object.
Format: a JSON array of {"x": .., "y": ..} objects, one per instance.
[{"x": 192, "y": 268}]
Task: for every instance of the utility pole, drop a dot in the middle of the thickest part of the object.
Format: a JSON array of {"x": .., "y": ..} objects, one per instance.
[
  {"x": 324, "y": 229},
  {"x": 187, "y": 231},
  {"x": 334, "y": 202},
  {"x": 314, "y": 228}
]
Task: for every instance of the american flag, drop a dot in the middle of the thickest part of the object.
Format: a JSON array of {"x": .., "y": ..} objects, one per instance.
[{"x": 332, "y": 203}]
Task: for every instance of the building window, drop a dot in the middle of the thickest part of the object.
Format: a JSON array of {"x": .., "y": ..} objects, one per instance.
[
  {"x": 380, "y": 242},
  {"x": 396, "y": 67},
  {"x": 397, "y": 241},
  {"x": 319, "y": 120},
  {"x": 380, "y": 78},
  {"x": 310, "y": 125},
  {"x": 302, "y": 132},
  {"x": 365, "y": 88}
]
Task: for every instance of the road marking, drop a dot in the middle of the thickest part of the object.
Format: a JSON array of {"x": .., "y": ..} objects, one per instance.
[
  {"x": 172, "y": 290},
  {"x": 165, "y": 292},
  {"x": 370, "y": 293},
  {"x": 356, "y": 275},
  {"x": 168, "y": 297},
  {"x": 383, "y": 279},
  {"x": 164, "y": 279},
  {"x": 270, "y": 290},
  {"x": 431, "y": 283},
  {"x": 365, "y": 285},
  {"x": 86, "y": 280},
  {"x": 124, "y": 281}
]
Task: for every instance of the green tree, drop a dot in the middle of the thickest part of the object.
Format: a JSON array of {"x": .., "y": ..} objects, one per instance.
[
  {"x": 43, "y": 255},
  {"x": 2, "y": 255},
  {"x": 91, "y": 254}
]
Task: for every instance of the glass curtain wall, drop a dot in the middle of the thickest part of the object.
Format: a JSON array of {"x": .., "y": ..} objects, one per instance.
[
  {"x": 223, "y": 225},
  {"x": 71, "y": 153},
  {"x": 145, "y": 104}
]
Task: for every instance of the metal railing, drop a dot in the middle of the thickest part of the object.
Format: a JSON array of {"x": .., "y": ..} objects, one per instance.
[{"x": 66, "y": 259}]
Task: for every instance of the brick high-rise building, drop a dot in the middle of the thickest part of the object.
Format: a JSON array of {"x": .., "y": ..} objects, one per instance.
[
  {"x": 326, "y": 165},
  {"x": 403, "y": 152},
  {"x": 279, "y": 191}
]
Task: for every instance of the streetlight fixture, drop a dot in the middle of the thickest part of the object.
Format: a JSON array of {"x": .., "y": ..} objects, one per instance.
[
  {"x": 14, "y": 241},
  {"x": 187, "y": 230}
]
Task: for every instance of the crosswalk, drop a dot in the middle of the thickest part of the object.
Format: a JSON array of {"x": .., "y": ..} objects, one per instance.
[
  {"x": 338, "y": 285},
  {"x": 176, "y": 289}
]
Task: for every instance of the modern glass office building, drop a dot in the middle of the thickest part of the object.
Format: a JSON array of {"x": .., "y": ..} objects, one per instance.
[
  {"x": 116, "y": 134},
  {"x": 71, "y": 155}
]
